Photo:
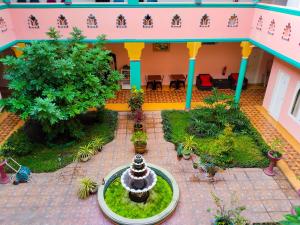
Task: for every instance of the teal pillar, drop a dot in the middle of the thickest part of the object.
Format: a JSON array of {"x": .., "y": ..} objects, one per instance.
[
  {"x": 239, "y": 86},
  {"x": 190, "y": 80},
  {"x": 135, "y": 73},
  {"x": 6, "y": 1},
  {"x": 133, "y": 2}
]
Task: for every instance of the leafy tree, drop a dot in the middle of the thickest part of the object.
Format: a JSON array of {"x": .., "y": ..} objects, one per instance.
[{"x": 55, "y": 81}]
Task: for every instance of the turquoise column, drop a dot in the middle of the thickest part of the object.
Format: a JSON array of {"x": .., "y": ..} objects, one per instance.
[
  {"x": 6, "y": 1},
  {"x": 133, "y": 2},
  {"x": 135, "y": 73},
  {"x": 190, "y": 80},
  {"x": 239, "y": 86},
  {"x": 68, "y": 2}
]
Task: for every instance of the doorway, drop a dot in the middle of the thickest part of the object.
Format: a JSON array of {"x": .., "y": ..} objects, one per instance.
[{"x": 278, "y": 94}]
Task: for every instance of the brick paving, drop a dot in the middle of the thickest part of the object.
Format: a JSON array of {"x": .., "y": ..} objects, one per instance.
[{"x": 51, "y": 197}]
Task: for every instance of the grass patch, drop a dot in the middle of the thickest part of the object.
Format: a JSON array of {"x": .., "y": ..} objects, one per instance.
[
  {"x": 117, "y": 199},
  {"x": 48, "y": 158},
  {"x": 249, "y": 149}
]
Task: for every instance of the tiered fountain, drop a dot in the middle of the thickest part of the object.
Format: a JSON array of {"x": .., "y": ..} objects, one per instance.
[
  {"x": 138, "y": 180},
  {"x": 130, "y": 192}
]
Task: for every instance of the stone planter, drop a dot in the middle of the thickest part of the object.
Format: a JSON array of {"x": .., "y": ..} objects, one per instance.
[
  {"x": 94, "y": 191},
  {"x": 186, "y": 156},
  {"x": 273, "y": 162},
  {"x": 140, "y": 148},
  {"x": 85, "y": 159}
]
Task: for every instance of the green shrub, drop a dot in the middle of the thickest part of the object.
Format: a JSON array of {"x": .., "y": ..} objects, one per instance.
[
  {"x": 17, "y": 144},
  {"x": 139, "y": 137},
  {"x": 222, "y": 148}
]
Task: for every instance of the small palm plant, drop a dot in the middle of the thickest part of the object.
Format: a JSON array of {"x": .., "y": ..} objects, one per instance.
[
  {"x": 87, "y": 187},
  {"x": 84, "y": 153},
  {"x": 97, "y": 144},
  {"x": 189, "y": 145},
  {"x": 292, "y": 219}
]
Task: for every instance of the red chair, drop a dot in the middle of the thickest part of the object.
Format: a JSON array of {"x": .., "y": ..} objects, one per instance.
[
  {"x": 233, "y": 79},
  {"x": 204, "y": 82}
]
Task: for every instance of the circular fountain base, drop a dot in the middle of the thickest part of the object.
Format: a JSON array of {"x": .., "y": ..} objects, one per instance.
[
  {"x": 115, "y": 175},
  {"x": 139, "y": 197}
]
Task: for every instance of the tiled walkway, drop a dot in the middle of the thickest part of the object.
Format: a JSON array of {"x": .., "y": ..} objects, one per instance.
[{"x": 51, "y": 198}]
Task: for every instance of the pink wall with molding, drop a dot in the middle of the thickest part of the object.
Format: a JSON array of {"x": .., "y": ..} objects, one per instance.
[
  {"x": 210, "y": 59},
  {"x": 134, "y": 16},
  {"x": 285, "y": 119},
  {"x": 8, "y": 35},
  {"x": 289, "y": 47}
]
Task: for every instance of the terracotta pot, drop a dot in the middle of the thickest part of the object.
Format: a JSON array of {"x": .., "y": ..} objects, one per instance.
[
  {"x": 140, "y": 148},
  {"x": 273, "y": 162}
]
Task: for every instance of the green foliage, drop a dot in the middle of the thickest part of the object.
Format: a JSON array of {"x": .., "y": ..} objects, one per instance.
[
  {"x": 84, "y": 153},
  {"x": 97, "y": 144},
  {"x": 189, "y": 145},
  {"x": 277, "y": 147},
  {"x": 217, "y": 97},
  {"x": 48, "y": 157},
  {"x": 17, "y": 144},
  {"x": 249, "y": 148},
  {"x": 87, "y": 187},
  {"x": 230, "y": 216},
  {"x": 292, "y": 219},
  {"x": 53, "y": 82},
  {"x": 210, "y": 121},
  {"x": 117, "y": 199},
  {"x": 136, "y": 99},
  {"x": 221, "y": 150},
  {"x": 139, "y": 137}
]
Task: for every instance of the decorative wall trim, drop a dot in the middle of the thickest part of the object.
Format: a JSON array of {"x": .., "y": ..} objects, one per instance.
[{"x": 265, "y": 48}]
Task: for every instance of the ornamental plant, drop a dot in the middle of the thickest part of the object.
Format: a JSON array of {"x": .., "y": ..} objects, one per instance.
[
  {"x": 276, "y": 148},
  {"x": 292, "y": 219},
  {"x": 139, "y": 137},
  {"x": 53, "y": 82},
  {"x": 136, "y": 99}
]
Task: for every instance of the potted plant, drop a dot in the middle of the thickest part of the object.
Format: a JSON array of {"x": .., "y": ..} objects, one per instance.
[
  {"x": 274, "y": 155},
  {"x": 291, "y": 219},
  {"x": 139, "y": 139},
  {"x": 230, "y": 216},
  {"x": 138, "y": 126},
  {"x": 87, "y": 187},
  {"x": 189, "y": 145},
  {"x": 97, "y": 144},
  {"x": 136, "y": 99},
  {"x": 84, "y": 153}
]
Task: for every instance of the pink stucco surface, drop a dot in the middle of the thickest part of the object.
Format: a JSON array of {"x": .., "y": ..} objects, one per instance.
[
  {"x": 134, "y": 16},
  {"x": 8, "y": 35},
  {"x": 285, "y": 119},
  {"x": 210, "y": 59},
  {"x": 289, "y": 48}
]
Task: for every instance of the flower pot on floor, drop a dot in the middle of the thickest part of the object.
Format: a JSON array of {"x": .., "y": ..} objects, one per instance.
[
  {"x": 186, "y": 156},
  {"x": 273, "y": 162},
  {"x": 138, "y": 127},
  {"x": 4, "y": 179},
  {"x": 140, "y": 148},
  {"x": 222, "y": 222}
]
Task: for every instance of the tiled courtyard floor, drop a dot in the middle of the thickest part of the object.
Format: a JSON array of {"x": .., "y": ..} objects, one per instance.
[{"x": 51, "y": 198}]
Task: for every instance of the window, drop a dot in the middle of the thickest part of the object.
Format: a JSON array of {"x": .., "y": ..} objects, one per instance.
[{"x": 296, "y": 105}]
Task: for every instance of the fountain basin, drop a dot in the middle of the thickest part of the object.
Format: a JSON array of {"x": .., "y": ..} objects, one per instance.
[{"x": 156, "y": 219}]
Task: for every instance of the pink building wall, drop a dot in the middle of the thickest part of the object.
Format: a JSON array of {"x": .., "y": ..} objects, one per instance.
[
  {"x": 210, "y": 59},
  {"x": 285, "y": 119}
]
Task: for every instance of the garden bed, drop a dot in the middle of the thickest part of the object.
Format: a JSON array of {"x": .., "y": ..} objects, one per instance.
[
  {"x": 249, "y": 148},
  {"x": 49, "y": 157}
]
